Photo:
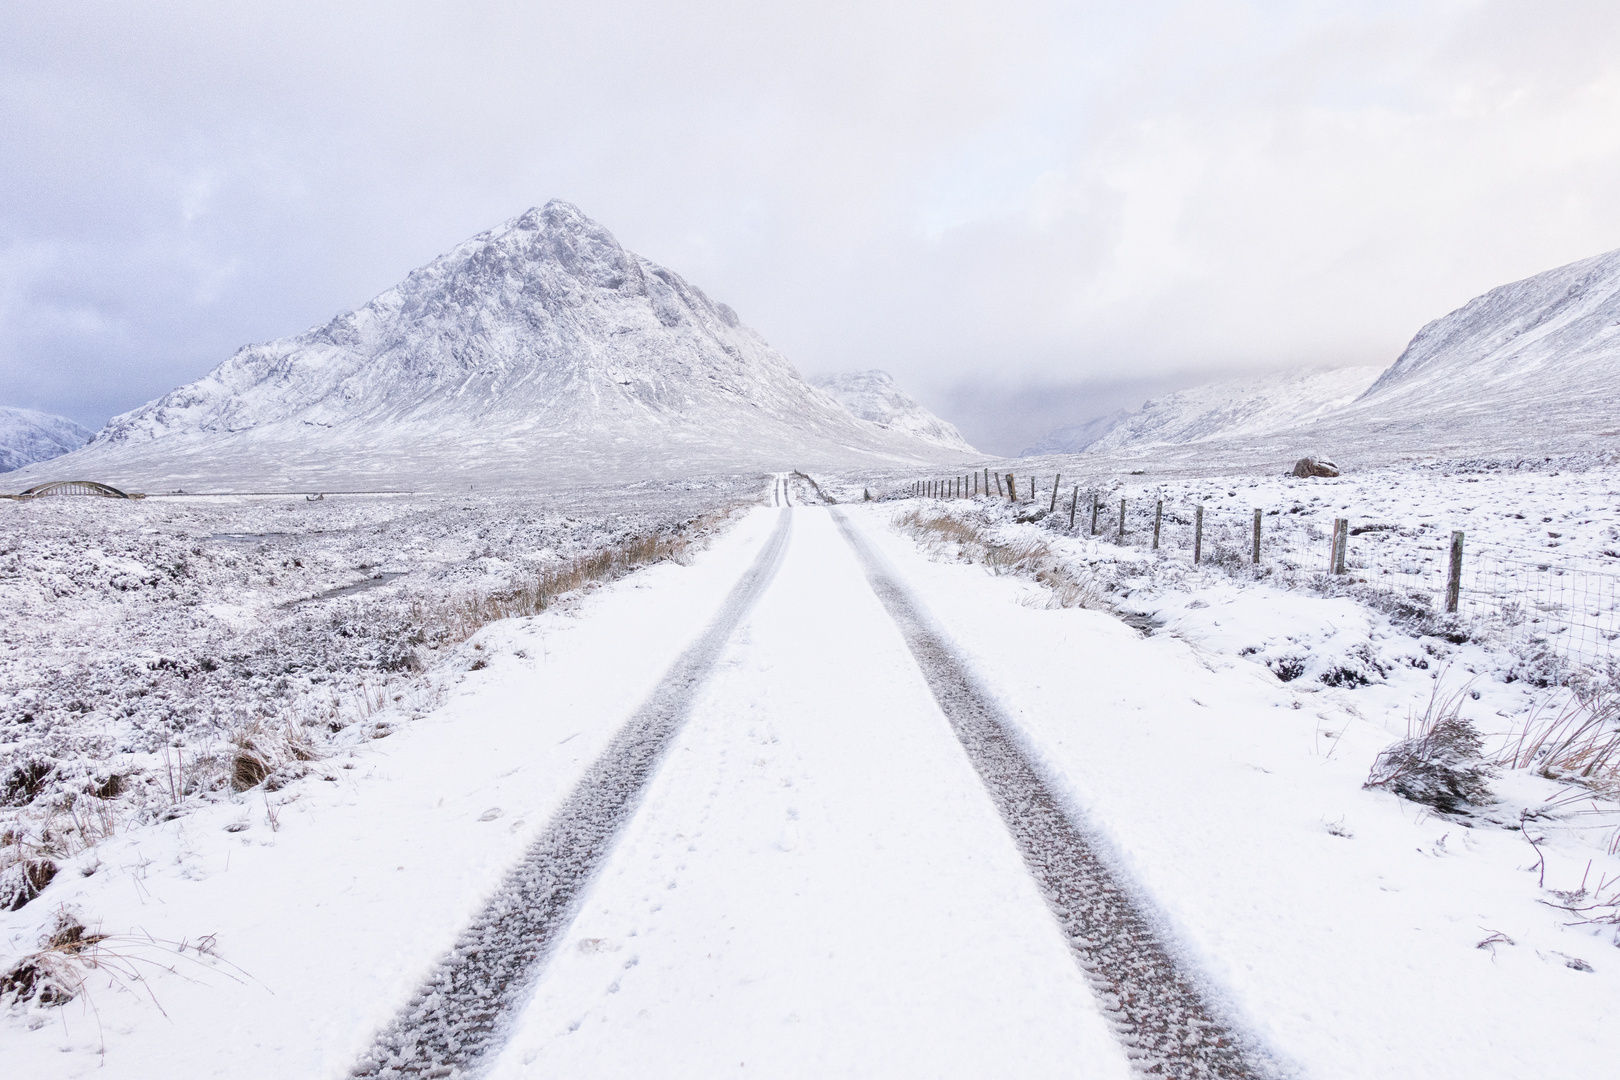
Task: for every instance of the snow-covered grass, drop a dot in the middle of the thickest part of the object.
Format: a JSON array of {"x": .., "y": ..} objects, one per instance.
[
  {"x": 167, "y": 651},
  {"x": 1541, "y": 567},
  {"x": 276, "y": 931},
  {"x": 1362, "y": 933},
  {"x": 1462, "y": 690}
]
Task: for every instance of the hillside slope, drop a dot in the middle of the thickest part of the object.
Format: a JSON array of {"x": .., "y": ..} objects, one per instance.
[
  {"x": 875, "y": 397},
  {"x": 1237, "y": 407},
  {"x": 1541, "y": 351},
  {"x": 539, "y": 351},
  {"x": 27, "y": 436},
  {"x": 1526, "y": 370}
]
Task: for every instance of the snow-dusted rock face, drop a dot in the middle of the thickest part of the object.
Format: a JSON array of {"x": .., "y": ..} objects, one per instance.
[
  {"x": 1547, "y": 345},
  {"x": 540, "y": 350},
  {"x": 1236, "y": 407},
  {"x": 874, "y": 396},
  {"x": 27, "y": 436}
]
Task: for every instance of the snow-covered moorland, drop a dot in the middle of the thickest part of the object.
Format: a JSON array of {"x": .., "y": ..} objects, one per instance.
[
  {"x": 1466, "y": 780},
  {"x": 816, "y": 832},
  {"x": 167, "y": 650}
]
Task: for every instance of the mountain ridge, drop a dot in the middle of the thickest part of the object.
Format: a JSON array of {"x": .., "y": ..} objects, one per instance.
[
  {"x": 28, "y": 436},
  {"x": 875, "y": 397},
  {"x": 541, "y": 347}
]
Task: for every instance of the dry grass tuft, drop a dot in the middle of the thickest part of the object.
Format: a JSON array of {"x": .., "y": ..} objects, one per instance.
[
  {"x": 52, "y": 976},
  {"x": 57, "y": 972},
  {"x": 269, "y": 753},
  {"x": 22, "y": 880},
  {"x": 1580, "y": 743},
  {"x": 460, "y": 618},
  {"x": 1030, "y": 557}
]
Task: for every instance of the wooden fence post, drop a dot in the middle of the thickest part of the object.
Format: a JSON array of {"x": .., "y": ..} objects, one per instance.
[
  {"x": 999, "y": 492},
  {"x": 1121, "y": 538},
  {"x": 1012, "y": 488},
  {"x": 1198, "y": 533},
  {"x": 1095, "y": 499},
  {"x": 1073, "y": 502},
  {"x": 1055, "y": 481},
  {"x": 1257, "y": 536},
  {"x": 1341, "y": 540},
  {"x": 1158, "y": 518},
  {"x": 1454, "y": 578}
]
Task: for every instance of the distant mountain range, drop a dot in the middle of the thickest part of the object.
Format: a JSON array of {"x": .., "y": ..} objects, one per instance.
[
  {"x": 1253, "y": 405},
  {"x": 1532, "y": 367},
  {"x": 542, "y": 351},
  {"x": 875, "y": 397},
  {"x": 27, "y": 436},
  {"x": 539, "y": 351}
]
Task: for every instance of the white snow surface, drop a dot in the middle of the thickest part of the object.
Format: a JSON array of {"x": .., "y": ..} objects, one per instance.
[
  {"x": 540, "y": 350},
  {"x": 27, "y": 436},
  {"x": 816, "y": 882},
  {"x": 874, "y": 396},
  {"x": 1233, "y": 408}
]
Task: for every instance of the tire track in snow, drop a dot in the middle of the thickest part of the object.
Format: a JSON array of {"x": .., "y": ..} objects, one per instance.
[
  {"x": 460, "y": 1013},
  {"x": 1166, "y": 1026}
]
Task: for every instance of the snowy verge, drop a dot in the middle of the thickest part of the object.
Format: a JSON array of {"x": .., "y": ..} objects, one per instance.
[
  {"x": 253, "y": 877},
  {"x": 1368, "y": 935}
]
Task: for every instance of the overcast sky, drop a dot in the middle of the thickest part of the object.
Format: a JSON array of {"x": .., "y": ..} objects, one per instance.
[{"x": 1026, "y": 212}]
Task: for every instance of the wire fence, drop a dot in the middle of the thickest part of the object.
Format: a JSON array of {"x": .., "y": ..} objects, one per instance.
[{"x": 1564, "y": 605}]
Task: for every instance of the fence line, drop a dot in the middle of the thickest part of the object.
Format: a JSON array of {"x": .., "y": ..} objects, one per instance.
[{"x": 1569, "y": 606}]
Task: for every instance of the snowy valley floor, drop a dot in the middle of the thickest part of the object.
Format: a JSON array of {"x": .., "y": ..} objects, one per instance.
[{"x": 816, "y": 881}]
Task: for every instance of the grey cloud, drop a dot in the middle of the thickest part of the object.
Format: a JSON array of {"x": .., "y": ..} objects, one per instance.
[{"x": 1047, "y": 194}]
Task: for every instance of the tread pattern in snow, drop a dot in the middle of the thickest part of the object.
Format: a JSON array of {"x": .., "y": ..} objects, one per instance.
[
  {"x": 459, "y": 1014},
  {"x": 1166, "y": 1025}
]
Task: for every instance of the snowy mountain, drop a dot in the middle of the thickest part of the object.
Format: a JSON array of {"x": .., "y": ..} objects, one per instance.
[
  {"x": 1538, "y": 353},
  {"x": 874, "y": 396},
  {"x": 1073, "y": 438},
  {"x": 27, "y": 436},
  {"x": 1527, "y": 369},
  {"x": 539, "y": 350},
  {"x": 1234, "y": 408}
]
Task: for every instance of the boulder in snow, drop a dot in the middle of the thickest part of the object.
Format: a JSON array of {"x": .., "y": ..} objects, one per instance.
[{"x": 1313, "y": 466}]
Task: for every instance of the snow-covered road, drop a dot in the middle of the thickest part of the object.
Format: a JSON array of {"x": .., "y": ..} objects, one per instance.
[
  {"x": 815, "y": 880},
  {"x": 817, "y": 884}
]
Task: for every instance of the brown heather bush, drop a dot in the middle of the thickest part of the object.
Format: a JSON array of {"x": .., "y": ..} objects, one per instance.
[{"x": 1438, "y": 763}]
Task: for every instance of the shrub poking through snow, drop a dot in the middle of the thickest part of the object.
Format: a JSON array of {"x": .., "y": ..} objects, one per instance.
[
  {"x": 1439, "y": 765},
  {"x": 23, "y": 880},
  {"x": 48, "y": 977}
]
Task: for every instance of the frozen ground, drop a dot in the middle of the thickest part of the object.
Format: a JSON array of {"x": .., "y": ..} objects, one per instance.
[
  {"x": 1541, "y": 585},
  {"x": 816, "y": 882},
  {"x": 172, "y": 648}
]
